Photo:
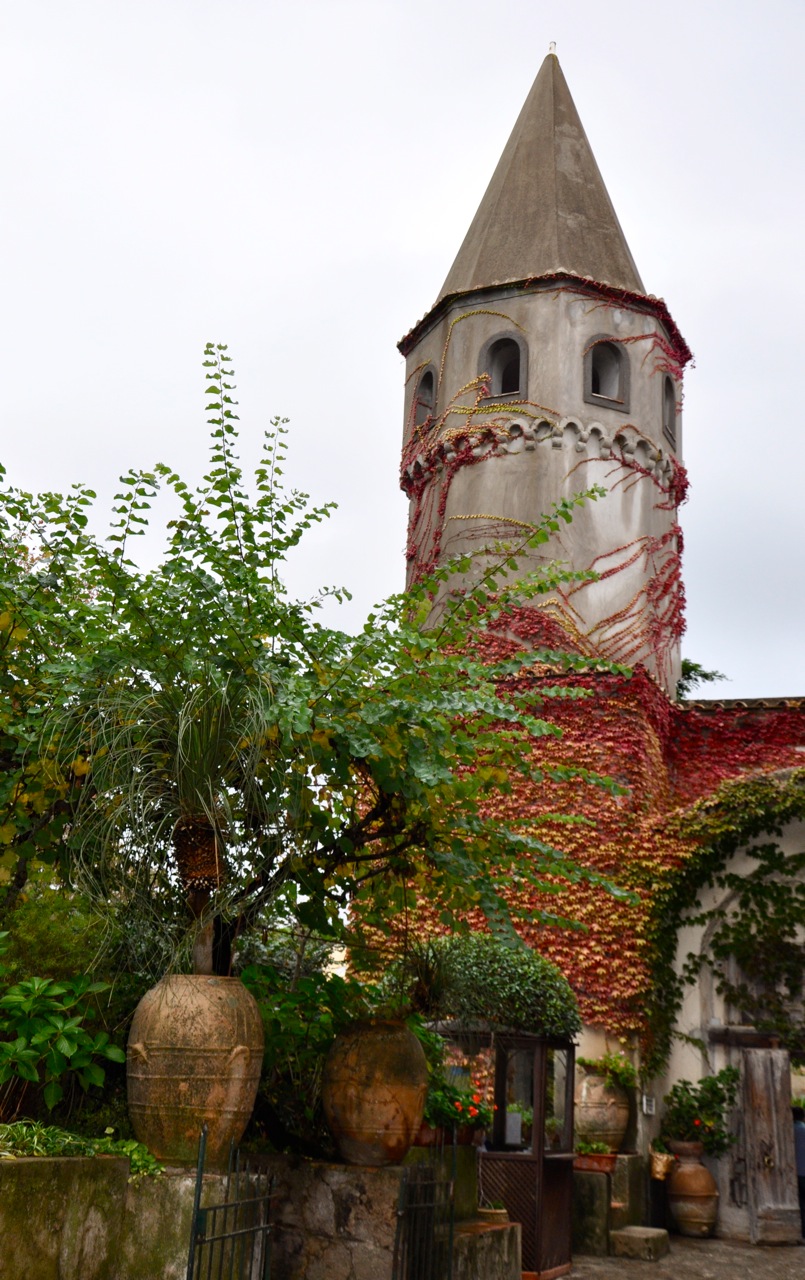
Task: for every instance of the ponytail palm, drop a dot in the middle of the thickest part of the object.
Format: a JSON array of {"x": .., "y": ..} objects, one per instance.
[{"x": 212, "y": 741}]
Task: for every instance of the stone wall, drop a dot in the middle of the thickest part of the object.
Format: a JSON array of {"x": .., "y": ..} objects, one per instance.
[
  {"x": 61, "y": 1218},
  {"x": 80, "y": 1219}
]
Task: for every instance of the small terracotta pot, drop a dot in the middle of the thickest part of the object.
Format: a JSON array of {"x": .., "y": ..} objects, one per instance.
[
  {"x": 595, "y": 1162},
  {"x": 428, "y": 1135}
]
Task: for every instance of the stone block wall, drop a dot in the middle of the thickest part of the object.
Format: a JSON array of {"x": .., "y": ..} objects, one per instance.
[{"x": 80, "y": 1219}]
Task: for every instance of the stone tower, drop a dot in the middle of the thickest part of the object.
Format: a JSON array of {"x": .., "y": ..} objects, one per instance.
[{"x": 544, "y": 369}]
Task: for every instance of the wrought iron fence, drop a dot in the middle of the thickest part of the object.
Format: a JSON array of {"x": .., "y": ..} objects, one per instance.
[
  {"x": 423, "y": 1244},
  {"x": 231, "y": 1240}
]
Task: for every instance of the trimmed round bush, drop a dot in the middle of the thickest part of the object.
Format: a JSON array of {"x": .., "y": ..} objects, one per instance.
[{"x": 507, "y": 987}]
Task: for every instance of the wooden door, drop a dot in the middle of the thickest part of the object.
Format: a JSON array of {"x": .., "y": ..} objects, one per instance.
[{"x": 771, "y": 1170}]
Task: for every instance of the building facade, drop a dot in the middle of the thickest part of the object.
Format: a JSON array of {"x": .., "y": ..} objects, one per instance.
[{"x": 543, "y": 370}]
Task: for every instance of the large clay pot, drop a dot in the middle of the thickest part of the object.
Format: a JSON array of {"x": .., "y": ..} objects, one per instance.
[
  {"x": 600, "y": 1111},
  {"x": 692, "y": 1191},
  {"x": 194, "y": 1056},
  {"x": 373, "y": 1090}
]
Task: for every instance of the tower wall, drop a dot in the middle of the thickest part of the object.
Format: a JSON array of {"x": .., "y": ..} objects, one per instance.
[{"x": 480, "y": 469}]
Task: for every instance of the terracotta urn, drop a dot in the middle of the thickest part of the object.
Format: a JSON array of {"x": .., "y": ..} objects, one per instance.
[
  {"x": 601, "y": 1111},
  {"x": 692, "y": 1191},
  {"x": 373, "y": 1091},
  {"x": 195, "y": 1053}
]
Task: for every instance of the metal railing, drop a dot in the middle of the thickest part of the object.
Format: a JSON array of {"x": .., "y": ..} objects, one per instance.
[
  {"x": 231, "y": 1240},
  {"x": 423, "y": 1244}
]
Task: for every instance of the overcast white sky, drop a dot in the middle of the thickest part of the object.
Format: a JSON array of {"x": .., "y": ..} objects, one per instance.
[{"x": 295, "y": 180}]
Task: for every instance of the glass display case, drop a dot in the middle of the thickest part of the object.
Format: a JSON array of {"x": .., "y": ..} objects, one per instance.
[{"x": 529, "y": 1166}]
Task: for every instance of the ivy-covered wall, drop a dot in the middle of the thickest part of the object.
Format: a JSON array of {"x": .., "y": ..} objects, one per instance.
[{"x": 700, "y": 783}]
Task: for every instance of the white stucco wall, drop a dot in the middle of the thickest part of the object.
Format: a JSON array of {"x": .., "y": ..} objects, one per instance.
[
  {"x": 551, "y": 448},
  {"x": 703, "y": 1008}
]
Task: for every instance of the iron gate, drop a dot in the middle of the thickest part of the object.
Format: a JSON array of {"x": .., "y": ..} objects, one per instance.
[
  {"x": 231, "y": 1240},
  {"x": 423, "y": 1244}
]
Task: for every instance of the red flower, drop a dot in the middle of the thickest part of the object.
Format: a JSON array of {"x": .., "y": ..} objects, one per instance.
[
  {"x": 697, "y": 1123},
  {"x": 457, "y": 1106}
]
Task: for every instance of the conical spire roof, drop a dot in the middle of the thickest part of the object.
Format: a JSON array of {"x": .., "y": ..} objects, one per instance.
[{"x": 546, "y": 208}]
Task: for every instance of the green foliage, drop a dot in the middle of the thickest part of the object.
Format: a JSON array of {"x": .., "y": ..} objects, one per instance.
[
  {"x": 526, "y": 1112},
  {"x": 51, "y": 931},
  {"x": 699, "y": 1113},
  {"x": 29, "y": 1138},
  {"x": 591, "y": 1148},
  {"x": 300, "y": 1024},
  {"x": 616, "y": 1069},
  {"x": 447, "y": 1106},
  {"x": 507, "y": 987},
  {"x": 692, "y": 676},
  {"x": 327, "y": 765},
  {"x": 759, "y": 936},
  {"x": 761, "y": 929},
  {"x": 44, "y": 1037},
  {"x": 434, "y": 1046}
]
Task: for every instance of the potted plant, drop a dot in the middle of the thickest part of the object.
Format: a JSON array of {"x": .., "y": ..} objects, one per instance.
[
  {"x": 698, "y": 1113},
  {"x": 449, "y": 1109},
  {"x": 594, "y": 1157},
  {"x": 519, "y": 1123},
  {"x": 602, "y": 1099},
  {"x": 695, "y": 1122},
  {"x": 495, "y": 1213}
]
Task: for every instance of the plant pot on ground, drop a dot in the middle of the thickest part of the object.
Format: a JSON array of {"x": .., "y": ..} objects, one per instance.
[{"x": 696, "y": 1122}]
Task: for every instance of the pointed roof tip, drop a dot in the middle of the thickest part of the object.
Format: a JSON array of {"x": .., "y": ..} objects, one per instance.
[{"x": 546, "y": 205}]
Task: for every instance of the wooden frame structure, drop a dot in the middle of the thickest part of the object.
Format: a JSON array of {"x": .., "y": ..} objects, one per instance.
[{"x": 530, "y": 1169}]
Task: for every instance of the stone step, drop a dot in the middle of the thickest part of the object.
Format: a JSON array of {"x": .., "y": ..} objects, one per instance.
[{"x": 646, "y": 1243}]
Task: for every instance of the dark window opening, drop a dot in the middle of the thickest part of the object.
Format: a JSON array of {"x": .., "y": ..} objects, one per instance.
[
  {"x": 510, "y": 375},
  {"x": 504, "y": 367},
  {"x": 606, "y": 374},
  {"x": 423, "y": 401},
  {"x": 669, "y": 411},
  {"x": 606, "y": 371}
]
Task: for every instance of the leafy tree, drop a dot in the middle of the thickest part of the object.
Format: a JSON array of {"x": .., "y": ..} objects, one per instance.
[
  {"x": 692, "y": 675},
  {"x": 208, "y": 739}
]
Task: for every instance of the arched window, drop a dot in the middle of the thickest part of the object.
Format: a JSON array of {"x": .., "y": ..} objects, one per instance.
[
  {"x": 606, "y": 374},
  {"x": 669, "y": 411},
  {"x": 424, "y": 398},
  {"x": 504, "y": 360}
]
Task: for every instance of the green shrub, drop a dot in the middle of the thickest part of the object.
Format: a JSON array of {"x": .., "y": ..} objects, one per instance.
[
  {"x": 28, "y": 1138},
  {"x": 507, "y": 988},
  {"x": 616, "y": 1069},
  {"x": 300, "y": 1026},
  {"x": 698, "y": 1112},
  {"x": 51, "y": 931},
  {"x": 44, "y": 1036}
]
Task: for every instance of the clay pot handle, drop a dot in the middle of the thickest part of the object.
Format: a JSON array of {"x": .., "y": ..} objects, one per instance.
[
  {"x": 238, "y": 1060},
  {"x": 238, "y": 1065}
]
